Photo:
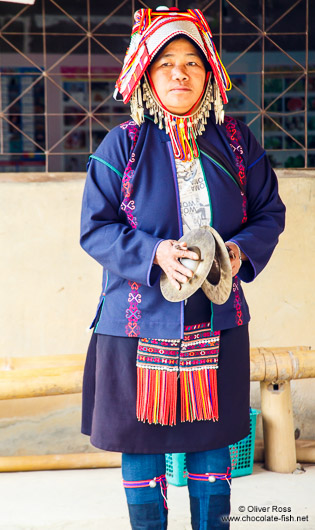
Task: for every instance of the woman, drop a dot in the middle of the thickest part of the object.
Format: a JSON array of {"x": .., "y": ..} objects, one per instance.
[{"x": 178, "y": 165}]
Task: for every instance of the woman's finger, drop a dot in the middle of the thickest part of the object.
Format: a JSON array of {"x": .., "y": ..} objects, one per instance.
[
  {"x": 179, "y": 246},
  {"x": 235, "y": 269},
  {"x": 179, "y": 267},
  {"x": 183, "y": 252},
  {"x": 189, "y": 254},
  {"x": 174, "y": 283},
  {"x": 182, "y": 278}
]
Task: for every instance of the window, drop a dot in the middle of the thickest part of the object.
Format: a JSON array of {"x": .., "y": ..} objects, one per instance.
[{"x": 60, "y": 61}]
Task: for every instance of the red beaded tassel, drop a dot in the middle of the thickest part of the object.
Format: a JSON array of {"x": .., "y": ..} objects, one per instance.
[
  {"x": 156, "y": 396},
  {"x": 199, "y": 395}
]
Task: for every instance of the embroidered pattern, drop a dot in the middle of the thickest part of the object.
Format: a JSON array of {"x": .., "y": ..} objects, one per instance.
[
  {"x": 158, "y": 354},
  {"x": 128, "y": 205},
  {"x": 133, "y": 313},
  {"x": 237, "y": 302},
  {"x": 198, "y": 349},
  {"x": 158, "y": 363},
  {"x": 234, "y": 137}
]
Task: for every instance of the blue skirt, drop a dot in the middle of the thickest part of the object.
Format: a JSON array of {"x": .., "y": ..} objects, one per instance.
[{"x": 110, "y": 389}]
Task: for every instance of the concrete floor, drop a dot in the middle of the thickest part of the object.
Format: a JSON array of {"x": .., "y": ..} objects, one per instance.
[{"x": 94, "y": 500}]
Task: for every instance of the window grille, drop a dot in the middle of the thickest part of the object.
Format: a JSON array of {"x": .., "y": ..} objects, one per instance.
[{"x": 60, "y": 61}]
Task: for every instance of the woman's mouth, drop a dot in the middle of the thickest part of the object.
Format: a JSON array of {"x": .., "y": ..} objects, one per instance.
[{"x": 180, "y": 89}]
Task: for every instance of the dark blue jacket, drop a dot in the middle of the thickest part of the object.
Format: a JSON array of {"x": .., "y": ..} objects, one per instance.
[{"x": 131, "y": 203}]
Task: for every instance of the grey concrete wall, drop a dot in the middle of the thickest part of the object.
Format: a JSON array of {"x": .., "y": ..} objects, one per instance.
[{"x": 50, "y": 287}]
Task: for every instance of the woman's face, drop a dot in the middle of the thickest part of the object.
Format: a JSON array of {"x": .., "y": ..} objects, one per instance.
[{"x": 178, "y": 75}]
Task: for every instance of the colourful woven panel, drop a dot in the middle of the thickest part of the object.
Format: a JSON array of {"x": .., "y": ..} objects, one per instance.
[{"x": 200, "y": 347}]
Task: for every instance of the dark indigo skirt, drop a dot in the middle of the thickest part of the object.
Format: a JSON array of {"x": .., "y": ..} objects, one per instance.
[{"x": 110, "y": 386}]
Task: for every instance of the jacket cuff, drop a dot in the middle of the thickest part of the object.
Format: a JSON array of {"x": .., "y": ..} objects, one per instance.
[
  {"x": 247, "y": 272},
  {"x": 154, "y": 271}
]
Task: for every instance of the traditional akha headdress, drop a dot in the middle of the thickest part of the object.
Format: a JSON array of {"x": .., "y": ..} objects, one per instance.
[{"x": 151, "y": 31}]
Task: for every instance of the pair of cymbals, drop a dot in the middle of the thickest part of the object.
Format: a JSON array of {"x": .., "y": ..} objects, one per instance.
[{"x": 212, "y": 272}]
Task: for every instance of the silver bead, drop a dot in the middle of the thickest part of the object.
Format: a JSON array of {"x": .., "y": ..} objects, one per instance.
[
  {"x": 212, "y": 478},
  {"x": 152, "y": 483}
]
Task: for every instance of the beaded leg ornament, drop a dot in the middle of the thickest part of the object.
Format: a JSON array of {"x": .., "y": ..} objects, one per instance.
[
  {"x": 151, "y": 483},
  {"x": 183, "y": 130},
  {"x": 211, "y": 477}
]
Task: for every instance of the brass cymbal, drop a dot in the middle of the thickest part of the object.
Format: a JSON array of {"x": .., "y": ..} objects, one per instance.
[
  {"x": 213, "y": 271},
  {"x": 203, "y": 243},
  {"x": 218, "y": 283}
]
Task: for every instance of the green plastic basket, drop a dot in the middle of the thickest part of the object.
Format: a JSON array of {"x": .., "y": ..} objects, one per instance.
[
  {"x": 242, "y": 453},
  {"x": 242, "y": 457},
  {"x": 176, "y": 469}
]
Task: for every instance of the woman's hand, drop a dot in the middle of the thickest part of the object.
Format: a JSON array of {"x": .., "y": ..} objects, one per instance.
[
  {"x": 236, "y": 257},
  {"x": 167, "y": 257}
]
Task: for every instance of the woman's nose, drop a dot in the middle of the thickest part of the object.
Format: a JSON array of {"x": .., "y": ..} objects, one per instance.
[{"x": 179, "y": 73}]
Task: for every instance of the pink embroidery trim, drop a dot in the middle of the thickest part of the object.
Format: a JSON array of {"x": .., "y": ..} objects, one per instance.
[
  {"x": 133, "y": 313},
  {"x": 128, "y": 205},
  {"x": 237, "y": 302},
  {"x": 234, "y": 137}
]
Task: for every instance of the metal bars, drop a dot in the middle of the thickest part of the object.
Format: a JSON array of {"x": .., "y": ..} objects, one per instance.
[{"x": 76, "y": 87}]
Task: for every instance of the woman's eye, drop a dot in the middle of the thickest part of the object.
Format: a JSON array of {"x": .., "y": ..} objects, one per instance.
[{"x": 168, "y": 64}]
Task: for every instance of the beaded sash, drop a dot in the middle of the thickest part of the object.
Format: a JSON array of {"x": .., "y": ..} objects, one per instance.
[{"x": 194, "y": 360}]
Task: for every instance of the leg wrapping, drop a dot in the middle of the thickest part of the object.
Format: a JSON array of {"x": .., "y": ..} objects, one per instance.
[{"x": 143, "y": 478}]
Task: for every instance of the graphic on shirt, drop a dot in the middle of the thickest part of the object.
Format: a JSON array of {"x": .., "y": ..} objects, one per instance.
[{"x": 193, "y": 193}]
